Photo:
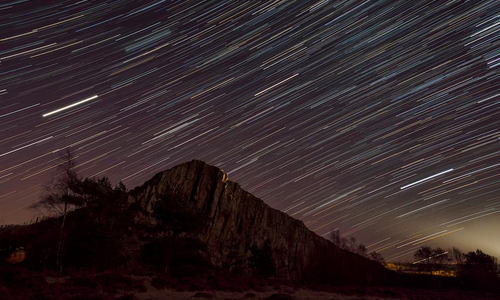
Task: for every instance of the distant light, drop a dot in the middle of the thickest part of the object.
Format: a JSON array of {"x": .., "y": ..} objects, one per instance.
[{"x": 69, "y": 106}]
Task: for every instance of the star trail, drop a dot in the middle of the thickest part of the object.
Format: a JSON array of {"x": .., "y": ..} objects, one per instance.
[{"x": 377, "y": 118}]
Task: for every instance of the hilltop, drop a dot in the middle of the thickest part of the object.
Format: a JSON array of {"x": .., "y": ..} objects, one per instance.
[{"x": 188, "y": 228}]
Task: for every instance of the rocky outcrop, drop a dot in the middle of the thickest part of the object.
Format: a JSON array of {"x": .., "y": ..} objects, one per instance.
[{"x": 239, "y": 223}]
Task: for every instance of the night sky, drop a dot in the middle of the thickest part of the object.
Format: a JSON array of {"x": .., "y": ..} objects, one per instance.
[{"x": 377, "y": 118}]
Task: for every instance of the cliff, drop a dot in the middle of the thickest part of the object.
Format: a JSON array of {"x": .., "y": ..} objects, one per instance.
[{"x": 239, "y": 223}]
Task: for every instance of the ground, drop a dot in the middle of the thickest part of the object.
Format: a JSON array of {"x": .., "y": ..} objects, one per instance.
[
  {"x": 289, "y": 293},
  {"x": 297, "y": 295}
]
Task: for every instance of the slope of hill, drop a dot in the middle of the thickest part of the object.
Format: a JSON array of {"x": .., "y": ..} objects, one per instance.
[
  {"x": 188, "y": 228},
  {"x": 241, "y": 227}
]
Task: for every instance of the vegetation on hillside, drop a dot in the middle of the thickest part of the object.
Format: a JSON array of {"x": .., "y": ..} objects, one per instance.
[
  {"x": 89, "y": 225},
  {"x": 91, "y": 235},
  {"x": 354, "y": 246},
  {"x": 475, "y": 270}
]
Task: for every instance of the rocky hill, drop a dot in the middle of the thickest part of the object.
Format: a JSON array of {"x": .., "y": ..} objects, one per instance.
[{"x": 241, "y": 226}]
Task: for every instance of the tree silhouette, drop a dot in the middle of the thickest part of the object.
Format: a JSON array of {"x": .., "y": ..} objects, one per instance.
[
  {"x": 375, "y": 256},
  {"x": 423, "y": 258},
  {"x": 106, "y": 216},
  {"x": 352, "y": 245},
  {"x": 93, "y": 235},
  {"x": 59, "y": 198},
  {"x": 439, "y": 256},
  {"x": 337, "y": 240},
  {"x": 479, "y": 271},
  {"x": 456, "y": 256},
  {"x": 361, "y": 250}
]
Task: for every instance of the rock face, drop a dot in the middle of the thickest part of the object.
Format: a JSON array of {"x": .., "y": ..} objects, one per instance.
[{"x": 239, "y": 223}]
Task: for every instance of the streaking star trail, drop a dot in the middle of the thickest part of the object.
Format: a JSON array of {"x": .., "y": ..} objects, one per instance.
[
  {"x": 380, "y": 119},
  {"x": 70, "y": 106},
  {"x": 425, "y": 179}
]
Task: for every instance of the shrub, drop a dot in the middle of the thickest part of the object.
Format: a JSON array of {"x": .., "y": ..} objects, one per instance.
[
  {"x": 250, "y": 295},
  {"x": 128, "y": 297},
  {"x": 204, "y": 295},
  {"x": 108, "y": 281},
  {"x": 163, "y": 281},
  {"x": 479, "y": 271},
  {"x": 280, "y": 297}
]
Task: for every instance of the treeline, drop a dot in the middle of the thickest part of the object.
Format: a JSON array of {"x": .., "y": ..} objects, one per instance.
[
  {"x": 475, "y": 269},
  {"x": 429, "y": 259},
  {"x": 354, "y": 246},
  {"x": 90, "y": 225}
]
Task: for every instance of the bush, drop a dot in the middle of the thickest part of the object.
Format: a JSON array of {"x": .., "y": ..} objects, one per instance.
[
  {"x": 280, "y": 297},
  {"x": 479, "y": 272},
  {"x": 128, "y": 297},
  {"x": 163, "y": 281},
  {"x": 20, "y": 278},
  {"x": 204, "y": 295},
  {"x": 113, "y": 281},
  {"x": 180, "y": 256},
  {"x": 250, "y": 295},
  {"x": 108, "y": 282}
]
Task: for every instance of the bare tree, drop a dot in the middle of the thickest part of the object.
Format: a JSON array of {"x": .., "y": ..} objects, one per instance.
[
  {"x": 335, "y": 237},
  {"x": 439, "y": 256},
  {"x": 352, "y": 245},
  {"x": 375, "y": 256},
  {"x": 423, "y": 258},
  {"x": 339, "y": 241},
  {"x": 361, "y": 250},
  {"x": 456, "y": 256},
  {"x": 59, "y": 199},
  {"x": 423, "y": 255}
]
